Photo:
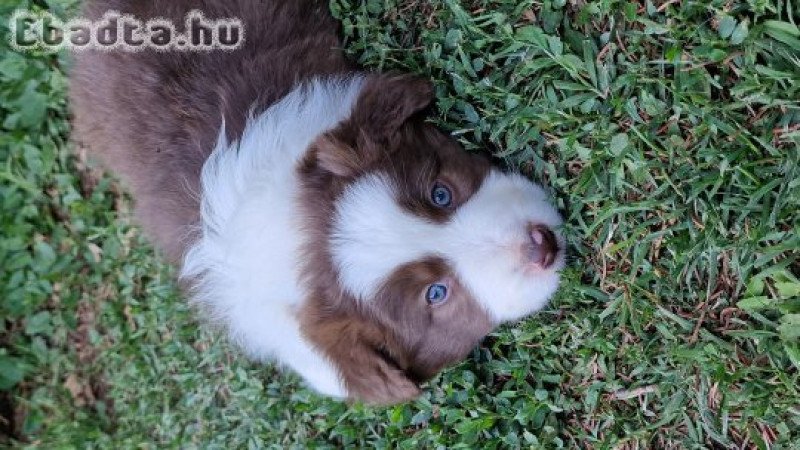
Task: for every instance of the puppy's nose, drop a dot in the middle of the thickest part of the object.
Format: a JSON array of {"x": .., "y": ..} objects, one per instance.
[{"x": 543, "y": 245}]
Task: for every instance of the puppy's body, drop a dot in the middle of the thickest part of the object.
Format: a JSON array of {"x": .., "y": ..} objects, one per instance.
[
  {"x": 326, "y": 225},
  {"x": 153, "y": 117}
]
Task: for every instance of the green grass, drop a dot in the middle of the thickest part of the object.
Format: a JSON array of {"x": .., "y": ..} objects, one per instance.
[{"x": 667, "y": 131}]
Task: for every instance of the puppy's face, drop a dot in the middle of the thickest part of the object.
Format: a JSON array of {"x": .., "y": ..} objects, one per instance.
[{"x": 419, "y": 249}]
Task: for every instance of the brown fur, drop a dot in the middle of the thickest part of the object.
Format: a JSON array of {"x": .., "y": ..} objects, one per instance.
[{"x": 168, "y": 106}]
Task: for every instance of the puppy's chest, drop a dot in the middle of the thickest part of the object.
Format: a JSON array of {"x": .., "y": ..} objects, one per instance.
[{"x": 266, "y": 240}]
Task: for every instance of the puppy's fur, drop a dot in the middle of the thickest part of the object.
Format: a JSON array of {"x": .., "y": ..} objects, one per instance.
[{"x": 300, "y": 196}]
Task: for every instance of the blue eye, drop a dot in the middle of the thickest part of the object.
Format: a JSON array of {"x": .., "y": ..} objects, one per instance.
[
  {"x": 437, "y": 293},
  {"x": 441, "y": 195}
]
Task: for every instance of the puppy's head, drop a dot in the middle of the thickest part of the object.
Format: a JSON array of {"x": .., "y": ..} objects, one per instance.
[{"x": 417, "y": 249}]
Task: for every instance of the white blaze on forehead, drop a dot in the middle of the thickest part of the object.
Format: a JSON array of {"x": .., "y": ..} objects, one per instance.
[{"x": 373, "y": 236}]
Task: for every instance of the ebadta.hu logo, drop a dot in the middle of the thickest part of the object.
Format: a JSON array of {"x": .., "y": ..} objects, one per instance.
[{"x": 42, "y": 31}]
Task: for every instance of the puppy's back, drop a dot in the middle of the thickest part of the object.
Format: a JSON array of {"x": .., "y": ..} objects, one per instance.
[{"x": 153, "y": 117}]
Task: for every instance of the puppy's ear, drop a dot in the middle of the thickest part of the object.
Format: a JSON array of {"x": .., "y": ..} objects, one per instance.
[
  {"x": 338, "y": 156},
  {"x": 363, "y": 354},
  {"x": 389, "y": 100},
  {"x": 385, "y": 103}
]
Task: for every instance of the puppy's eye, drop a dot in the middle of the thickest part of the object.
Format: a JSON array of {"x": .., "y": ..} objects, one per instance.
[
  {"x": 437, "y": 294},
  {"x": 441, "y": 195}
]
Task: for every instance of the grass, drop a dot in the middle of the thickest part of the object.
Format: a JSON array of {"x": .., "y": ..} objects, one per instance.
[{"x": 667, "y": 131}]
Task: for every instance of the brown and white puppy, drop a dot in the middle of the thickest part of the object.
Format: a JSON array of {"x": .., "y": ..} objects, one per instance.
[{"x": 316, "y": 214}]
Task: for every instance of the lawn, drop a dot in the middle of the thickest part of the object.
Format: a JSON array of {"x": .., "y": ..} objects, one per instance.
[{"x": 668, "y": 133}]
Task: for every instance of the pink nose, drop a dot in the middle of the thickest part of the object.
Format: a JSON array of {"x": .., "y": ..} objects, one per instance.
[{"x": 543, "y": 246}]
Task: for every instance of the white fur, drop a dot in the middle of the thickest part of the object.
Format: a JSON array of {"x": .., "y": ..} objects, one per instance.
[
  {"x": 483, "y": 241},
  {"x": 244, "y": 266}
]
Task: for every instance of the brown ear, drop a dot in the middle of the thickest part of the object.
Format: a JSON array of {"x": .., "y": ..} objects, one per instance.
[
  {"x": 385, "y": 103},
  {"x": 389, "y": 100},
  {"x": 338, "y": 156},
  {"x": 362, "y": 353}
]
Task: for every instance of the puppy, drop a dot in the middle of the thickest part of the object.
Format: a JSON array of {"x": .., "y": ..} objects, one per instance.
[{"x": 315, "y": 213}]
